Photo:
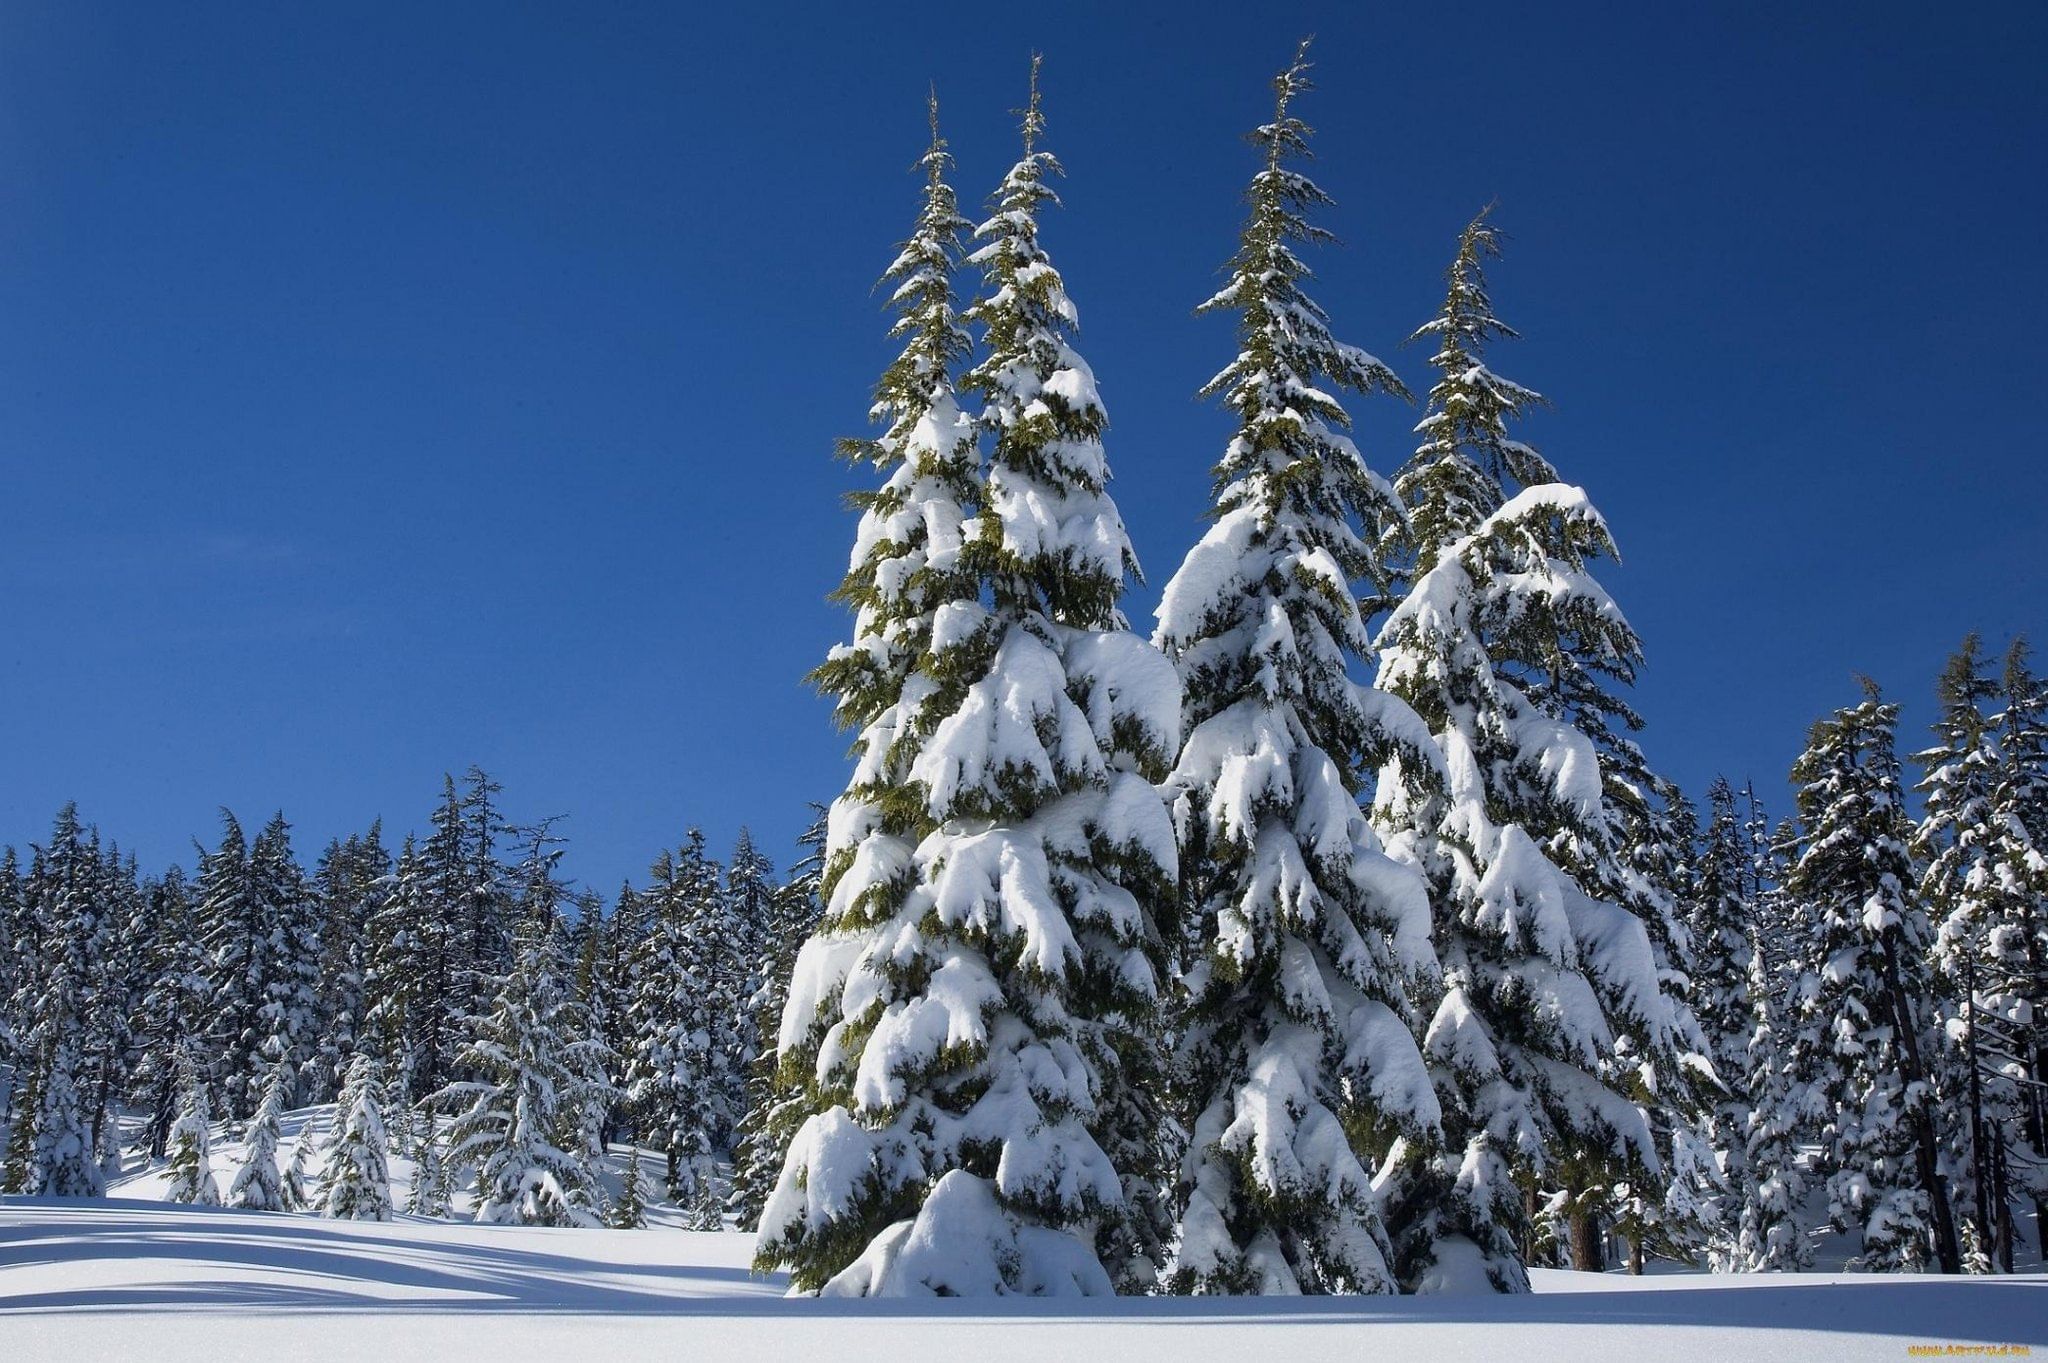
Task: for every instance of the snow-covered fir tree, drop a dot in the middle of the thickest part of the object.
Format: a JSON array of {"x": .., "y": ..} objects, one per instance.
[
  {"x": 477, "y": 898},
  {"x": 261, "y": 939},
  {"x": 677, "y": 1076},
  {"x": 284, "y": 907},
  {"x": 1721, "y": 918},
  {"x": 173, "y": 1008},
  {"x": 974, "y": 1012},
  {"x": 436, "y": 897},
  {"x": 190, "y": 1166},
  {"x": 405, "y": 964},
  {"x": 1296, "y": 1048},
  {"x": 2013, "y": 944},
  {"x": 18, "y": 930},
  {"x": 355, "y": 1181},
  {"x": 235, "y": 942},
  {"x": 1555, "y": 634},
  {"x": 1986, "y": 886},
  {"x": 430, "y": 1193},
  {"x": 259, "y": 1184},
  {"x": 614, "y": 960},
  {"x": 350, "y": 885},
  {"x": 906, "y": 565},
  {"x": 749, "y": 909},
  {"x": 1768, "y": 1233},
  {"x": 295, "y": 1184},
  {"x": 1552, "y": 1012},
  {"x": 1955, "y": 847},
  {"x": 63, "y": 1162},
  {"x": 774, "y": 1112},
  {"x": 519, "y": 1125},
  {"x": 1721, "y": 922},
  {"x": 67, "y": 1013},
  {"x": 64, "y": 1015},
  {"x": 122, "y": 980},
  {"x": 629, "y": 1211},
  {"x": 1862, "y": 1025}
]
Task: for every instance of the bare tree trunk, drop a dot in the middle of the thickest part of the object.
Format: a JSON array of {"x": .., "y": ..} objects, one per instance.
[
  {"x": 1588, "y": 1252},
  {"x": 1979, "y": 1157}
]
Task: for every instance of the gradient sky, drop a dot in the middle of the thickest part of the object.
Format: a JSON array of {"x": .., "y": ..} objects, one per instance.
[{"x": 386, "y": 389}]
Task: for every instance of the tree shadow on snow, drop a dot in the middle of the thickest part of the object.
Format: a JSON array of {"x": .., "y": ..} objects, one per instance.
[{"x": 334, "y": 1267}]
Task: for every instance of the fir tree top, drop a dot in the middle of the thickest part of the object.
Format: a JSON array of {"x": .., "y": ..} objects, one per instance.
[
  {"x": 1051, "y": 540},
  {"x": 1290, "y": 451},
  {"x": 1458, "y": 474}
]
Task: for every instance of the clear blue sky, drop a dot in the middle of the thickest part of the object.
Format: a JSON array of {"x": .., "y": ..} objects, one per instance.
[{"x": 389, "y": 388}]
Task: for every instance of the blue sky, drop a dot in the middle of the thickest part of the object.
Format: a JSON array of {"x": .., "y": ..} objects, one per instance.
[{"x": 385, "y": 389}]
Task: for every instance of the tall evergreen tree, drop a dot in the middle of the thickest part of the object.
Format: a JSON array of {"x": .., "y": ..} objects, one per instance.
[
  {"x": 1296, "y": 1034},
  {"x": 64, "y": 1163},
  {"x": 676, "y": 1077},
  {"x": 232, "y": 933},
  {"x": 1768, "y": 1232},
  {"x": 437, "y": 899},
  {"x": 17, "y": 969},
  {"x": 350, "y": 886},
  {"x": 749, "y": 909},
  {"x": 118, "y": 988},
  {"x": 614, "y": 982},
  {"x": 1986, "y": 884},
  {"x": 1722, "y": 926},
  {"x": 64, "y": 1018},
  {"x": 1546, "y": 988},
  {"x": 519, "y": 1125},
  {"x": 482, "y": 899},
  {"x": 1862, "y": 1027},
  {"x": 284, "y": 908},
  {"x": 1954, "y": 844},
  {"x": 173, "y": 1008},
  {"x": 972, "y": 1014},
  {"x": 406, "y": 979},
  {"x": 2014, "y": 941},
  {"x": 774, "y": 1111}
]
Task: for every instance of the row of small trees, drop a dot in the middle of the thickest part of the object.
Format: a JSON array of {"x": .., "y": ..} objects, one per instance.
[
  {"x": 450, "y": 979},
  {"x": 1199, "y": 964}
]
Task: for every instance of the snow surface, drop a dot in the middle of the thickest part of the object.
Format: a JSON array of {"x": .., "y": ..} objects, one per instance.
[{"x": 121, "y": 1278}]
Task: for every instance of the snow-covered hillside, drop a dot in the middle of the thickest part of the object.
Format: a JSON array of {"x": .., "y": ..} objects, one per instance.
[{"x": 124, "y": 1279}]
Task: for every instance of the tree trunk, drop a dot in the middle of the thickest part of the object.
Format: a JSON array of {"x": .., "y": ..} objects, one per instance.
[
  {"x": 1587, "y": 1252},
  {"x": 1979, "y": 1156},
  {"x": 1947, "y": 1248},
  {"x": 2002, "y": 1207}
]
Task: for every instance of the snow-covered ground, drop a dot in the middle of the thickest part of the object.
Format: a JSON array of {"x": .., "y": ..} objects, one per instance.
[
  {"x": 133, "y": 1277},
  {"x": 124, "y": 1278}
]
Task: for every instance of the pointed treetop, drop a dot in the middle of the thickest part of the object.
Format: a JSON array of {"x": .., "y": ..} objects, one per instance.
[
  {"x": 2017, "y": 675},
  {"x": 1289, "y": 83},
  {"x": 1467, "y": 321},
  {"x": 1287, "y": 135},
  {"x": 936, "y": 158},
  {"x": 1034, "y": 119}
]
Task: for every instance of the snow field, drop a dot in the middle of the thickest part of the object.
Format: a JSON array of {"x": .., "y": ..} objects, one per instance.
[{"x": 123, "y": 1279}]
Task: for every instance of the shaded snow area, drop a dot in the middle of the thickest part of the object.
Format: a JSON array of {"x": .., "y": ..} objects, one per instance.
[{"x": 132, "y": 1279}]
